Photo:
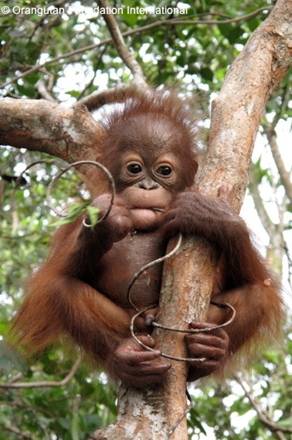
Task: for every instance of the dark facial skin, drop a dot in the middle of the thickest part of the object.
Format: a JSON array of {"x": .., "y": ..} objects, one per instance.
[{"x": 147, "y": 189}]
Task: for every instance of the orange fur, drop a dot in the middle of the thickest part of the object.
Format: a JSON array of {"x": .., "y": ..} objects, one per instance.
[{"x": 61, "y": 300}]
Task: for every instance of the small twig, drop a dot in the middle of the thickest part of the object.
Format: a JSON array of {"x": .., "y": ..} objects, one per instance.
[
  {"x": 269, "y": 131},
  {"x": 46, "y": 384},
  {"x": 56, "y": 20},
  {"x": 263, "y": 417},
  {"x": 285, "y": 176},
  {"x": 90, "y": 83},
  {"x": 43, "y": 91},
  {"x": 260, "y": 207},
  {"x": 139, "y": 30},
  {"x": 17, "y": 432},
  {"x": 183, "y": 415},
  {"x": 87, "y": 86},
  {"x": 140, "y": 312},
  {"x": 121, "y": 47},
  {"x": 16, "y": 378},
  {"x": 18, "y": 237},
  {"x": 98, "y": 165},
  {"x": 179, "y": 330},
  {"x": 284, "y": 103},
  {"x": 289, "y": 259}
]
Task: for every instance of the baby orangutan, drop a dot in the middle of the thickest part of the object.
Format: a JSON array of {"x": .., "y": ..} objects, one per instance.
[{"x": 81, "y": 290}]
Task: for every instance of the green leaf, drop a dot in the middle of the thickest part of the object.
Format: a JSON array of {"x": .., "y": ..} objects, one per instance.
[
  {"x": 130, "y": 19},
  {"x": 272, "y": 356},
  {"x": 75, "y": 210},
  {"x": 73, "y": 93},
  {"x": 195, "y": 420},
  {"x": 93, "y": 214}
]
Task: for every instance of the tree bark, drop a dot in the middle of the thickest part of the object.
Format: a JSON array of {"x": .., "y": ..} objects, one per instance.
[
  {"x": 70, "y": 134},
  {"x": 41, "y": 125}
]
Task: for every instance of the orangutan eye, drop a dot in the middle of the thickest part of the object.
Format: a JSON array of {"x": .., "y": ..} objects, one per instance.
[
  {"x": 134, "y": 168},
  {"x": 164, "y": 170}
]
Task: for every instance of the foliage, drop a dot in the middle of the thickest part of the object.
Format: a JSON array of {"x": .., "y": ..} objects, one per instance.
[{"x": 193, "y": 58}]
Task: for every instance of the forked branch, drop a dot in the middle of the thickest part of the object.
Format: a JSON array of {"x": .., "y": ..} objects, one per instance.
[
  {"x": 121, "y": 47},
  {"x": 45, "y": 383}
]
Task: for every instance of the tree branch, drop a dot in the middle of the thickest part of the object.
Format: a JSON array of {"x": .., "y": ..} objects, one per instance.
[
  {"x": 123, "y": 51},
  {"x": 46, "y": 384},
  {"x": 17, "y": 432},
  {"x": 43, "y": 91},
  {"x": 263, "y": 417},
  {"x": 284, "y": 105},
  {"x": 250, "y": 81},
  {"x": 270, "y": 132},
  {"x": 275, "y": 231},
  {"x": 40, "y": 125},
  {"x": 147, "y": 27},
  {"x": 91, "y": 82},
  {"x": 285, "y": 176},
  {"x": 260, "y": 207}
]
